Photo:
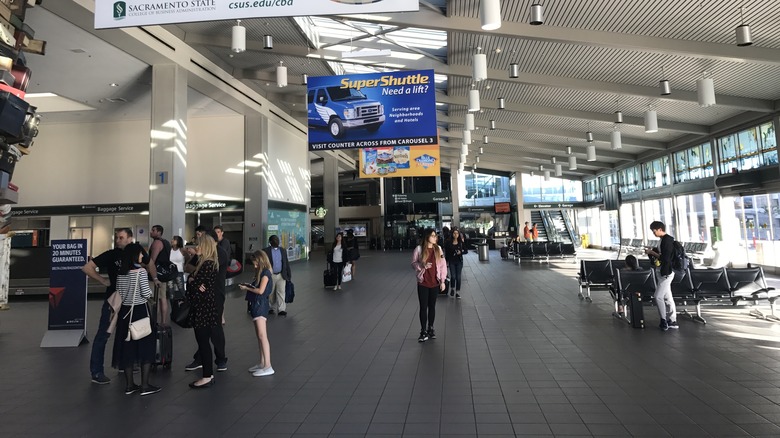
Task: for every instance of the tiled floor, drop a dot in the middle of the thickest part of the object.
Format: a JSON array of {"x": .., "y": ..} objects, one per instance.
[{"x": 519, "y": 355}]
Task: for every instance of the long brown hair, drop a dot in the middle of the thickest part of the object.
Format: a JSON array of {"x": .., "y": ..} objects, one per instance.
[
  {"x": 424, "y": 245},
  {"x": 261, "y": 258}
]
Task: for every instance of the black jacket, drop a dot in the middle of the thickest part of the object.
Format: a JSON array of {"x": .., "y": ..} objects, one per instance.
[
  {"x": 286, "y": 275},
  {"x": 666, "y": 249},
  {"x": 453, "y": 252}
]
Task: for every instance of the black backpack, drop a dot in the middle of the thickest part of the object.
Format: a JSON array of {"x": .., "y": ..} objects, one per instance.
[{"x": 680, "y": 260}]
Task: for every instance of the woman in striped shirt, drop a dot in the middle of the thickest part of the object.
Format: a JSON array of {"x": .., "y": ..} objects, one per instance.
[{"x": 133, "y": 285}]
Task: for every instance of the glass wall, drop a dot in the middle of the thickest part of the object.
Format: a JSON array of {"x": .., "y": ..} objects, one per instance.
[
  {"x": 660, "y": 210},
  {"x": 630, "y": 180},
  {"x": 631, "y": 221},
  {"x": 749, "y": 149},
  {"x": 656, "y": 173},
  {"x": 693, "y": 163},
  {"x": 482, "y": 190},
  {"x": 696, "y": 214},
  {"x": 536, "y": 189},
  {"x": 592, "y": 190}
]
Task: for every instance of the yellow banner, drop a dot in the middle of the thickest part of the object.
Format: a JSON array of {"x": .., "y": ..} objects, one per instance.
[{"x": 400, "y": 161}]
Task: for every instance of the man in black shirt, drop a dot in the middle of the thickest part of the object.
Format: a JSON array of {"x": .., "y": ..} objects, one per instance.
[
  {"x": 664, "y": 275},
  {"x": 108, "y": 262}
]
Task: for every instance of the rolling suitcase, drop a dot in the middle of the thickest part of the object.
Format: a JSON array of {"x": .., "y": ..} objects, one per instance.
[
  {"x": 636, "y": 310},
  {"x": 505, "y": 253},
  {"x": 163, "y": 352},
  {"x": 329, "y": 276}
]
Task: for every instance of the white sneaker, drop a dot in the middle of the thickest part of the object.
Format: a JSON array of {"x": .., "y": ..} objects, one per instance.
[
  {"x": 254, "y": 368},
  {"x": 263, "y": 372}
]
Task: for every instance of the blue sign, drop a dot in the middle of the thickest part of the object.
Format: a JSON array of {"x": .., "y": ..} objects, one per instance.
[
  {"x": 68, "y": 285},
  {"x": 372, "y": 110}
]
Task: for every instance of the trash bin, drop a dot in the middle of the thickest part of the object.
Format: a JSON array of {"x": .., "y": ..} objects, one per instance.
[{"x": 482, "y": 249}]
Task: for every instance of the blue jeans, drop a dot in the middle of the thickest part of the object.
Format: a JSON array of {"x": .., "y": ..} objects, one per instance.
[
  {"x": 455, "y": 269},
  {"x": 101, "y": 339}
]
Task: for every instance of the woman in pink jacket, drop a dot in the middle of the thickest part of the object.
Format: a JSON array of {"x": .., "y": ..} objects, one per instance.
[{"x": 431, "y": 267}]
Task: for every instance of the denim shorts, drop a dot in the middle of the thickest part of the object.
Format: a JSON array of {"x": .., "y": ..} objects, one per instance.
[{"x": 259, "y": 307}]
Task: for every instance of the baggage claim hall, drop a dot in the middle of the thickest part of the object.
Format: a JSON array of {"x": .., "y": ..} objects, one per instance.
[{"x": 584, "y": 121}]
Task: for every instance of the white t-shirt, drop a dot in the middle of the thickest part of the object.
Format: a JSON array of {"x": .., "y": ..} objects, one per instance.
[
  {"x": 177, "y": 258},
  {"x": 337, "y": 254}
]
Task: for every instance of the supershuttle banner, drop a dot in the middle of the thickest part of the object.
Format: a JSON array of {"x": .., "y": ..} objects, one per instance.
[
  {"x": 127, "y": 13},
  {"x": 397, "y": 161},
  {"x": 372, "y": 110}
]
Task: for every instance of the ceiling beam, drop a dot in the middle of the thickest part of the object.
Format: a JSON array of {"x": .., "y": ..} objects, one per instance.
[
  {"x": 687, "y": 128},
  {"x": 633, "y": 141},
  {"x": 425, "y": 19},
  {"x": 516, "y": 166},
  {"x": 536, "y": 157}
]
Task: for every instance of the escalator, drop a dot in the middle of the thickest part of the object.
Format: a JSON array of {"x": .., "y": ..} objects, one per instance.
[
  {"x": 563, "y": 226},
  {"x": 537, "y": 218}
]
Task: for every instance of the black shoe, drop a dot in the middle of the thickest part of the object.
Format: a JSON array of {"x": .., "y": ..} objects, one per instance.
[
  {"x": 132, "y": 389},
  {"x": 271, "y": 312},
  {"x": 222, "y": 366},
  {"x": 423, "y": 336},
  {"x": 101, "y": 379},
  {"x": 149, "y": 390},
  {"x": 205, "y": 385},
  {"x": 195, "y": 365},
  {"x": 431, "y": 333},
  {"x": 457, "y": 295},
  {"x": 663, "y": 326},
  {"x": 673, "y": 325},
  {"x": 452, "y": 293},
  {"x": 283, "y": 313}
]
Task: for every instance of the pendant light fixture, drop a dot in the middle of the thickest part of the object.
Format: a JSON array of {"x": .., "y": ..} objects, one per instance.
[
  {"x": 546, "y": 175},
  {"x": 663, "y": 84},
  {"x": 470, "y": 123},
  {"x": 705, "y": 89},
  {"x": 501, "y": 103},
  {"x": 466, "y": 136},
  {"x": 532, "y": 173},
  {"x": 474, "y": 100},
  {"x": 238, "y": 43},
  {"x": 304, "y": 79},
  {"x": 572, "y": 162},
  {"x": 558, "y": 170},
  {"x": 481, "y": 150},
  {"x": 490, "y": 14},
  {"x": 618, "y": 113},
  {"x": 743, "y": 32},
  {"x": 514, "y": 70},
  {"x": 281, "y": 75},
  {"x": 477, "y": 158},
  {"x": 479, "y": 66},
  {"x": 651, "y": 120},
  {"x": 616, "y": 141},
  {"x": 552, "y": 160},
  {"x": 268, "y": 42},
  {"x": 591, "y": 152},
  {"x": 589, "y": 136},
  {"x": 473, "y": 168},
  {"x": 464, "y": 149},
  {"x": 537, "y": 14},
  {"x": 485, "y": 140},
  {"x": 492, "y": 125}
]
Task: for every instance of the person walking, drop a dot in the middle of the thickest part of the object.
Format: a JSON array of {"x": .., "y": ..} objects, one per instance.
[
  {"x": 257, "y": 295},
  {"x": 336, "y": 258},
  {"x": 204, "y": 316},
  {"x": 431, "y": 268},
  {"x": 534, "y": 233},
  {"x": 132, "y": 283},
  {"x": 663, "y": 298},
  {"x": 527, "y": 232},
  {"x": 453, "y": 254},
  {"x": 109, "y": 262},
  {"x": 280, "y": 274}
]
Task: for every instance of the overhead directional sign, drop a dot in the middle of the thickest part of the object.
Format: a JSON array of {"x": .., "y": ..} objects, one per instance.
[
  {"x": 128, "y": 13},
  {"x": 421, "y": 198}
]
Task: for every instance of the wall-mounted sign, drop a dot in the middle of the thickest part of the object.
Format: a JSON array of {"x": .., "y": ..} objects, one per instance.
[
  {"x": 373, "y": 110},
  {"x": 551, "y": 205},
  {"x": 75, "y": 210},
  {"x": 214, "y": 205},
  {"x": 421, "y": 198},
  {"x": 127, "y": 13}
]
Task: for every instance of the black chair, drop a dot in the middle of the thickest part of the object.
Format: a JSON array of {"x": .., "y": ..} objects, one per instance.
[
  {"x": 684, "y": 294},
  {"x": 750, "y": 284},
  {"x": 632, "y": 282},
  {"x": 645, "y": 264},
  {"x": 539, "y": 250},
  {"x": 568, "y": 250},
  {"x": 554, "y": 249},
  {"x": 711, "y": 284},
  {"x": 594, "y": 273},
  {"x": 525, "y": 251}
]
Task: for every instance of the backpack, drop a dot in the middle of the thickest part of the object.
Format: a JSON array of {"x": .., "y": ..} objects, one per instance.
[{"x": 680, "y": 260}]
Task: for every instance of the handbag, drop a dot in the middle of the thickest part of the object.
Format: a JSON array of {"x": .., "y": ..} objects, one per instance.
[
  {"x": 166, "y": 273},
  {"x": 180, "y": 313},
  {"x": 289, "y": 292},
  {"x": 346, "y": 275},
  {"x": 141, "y": 328}
]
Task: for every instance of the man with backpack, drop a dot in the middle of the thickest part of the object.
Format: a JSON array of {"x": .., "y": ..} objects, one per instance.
[{"x": 664, "y": 275}]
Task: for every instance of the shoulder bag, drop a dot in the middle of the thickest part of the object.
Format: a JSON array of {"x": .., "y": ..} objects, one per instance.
[{"x": 141, "y": 328}]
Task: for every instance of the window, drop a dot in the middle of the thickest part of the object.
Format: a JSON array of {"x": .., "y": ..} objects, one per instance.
[
  {"x": 536, "y": 189},
  {"x": 748, "y": 149},
  {"x": 592, "y": 190},
  {"x": 482, "y": 190},
  {"x": 693, "y": 163},
  {"x": 656, "y": 173},
  {"x": 629, "y": 180}
]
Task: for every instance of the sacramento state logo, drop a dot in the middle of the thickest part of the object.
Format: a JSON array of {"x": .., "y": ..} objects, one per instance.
[{"x": 120, "y": 10}]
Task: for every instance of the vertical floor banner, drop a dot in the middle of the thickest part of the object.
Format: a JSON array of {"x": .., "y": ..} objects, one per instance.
[{"x": 67, "y": 294}]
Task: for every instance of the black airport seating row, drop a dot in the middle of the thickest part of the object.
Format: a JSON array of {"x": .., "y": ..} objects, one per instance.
[
  {"x": 695, "y": 250},
  {"x": 691, "y": 287},
  {"x": 541, "y": 250}
]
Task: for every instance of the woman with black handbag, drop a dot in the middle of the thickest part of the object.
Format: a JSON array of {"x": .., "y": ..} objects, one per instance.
[
  {"x": 203, "y": 316},
  {"x": 132, "y": 283}
]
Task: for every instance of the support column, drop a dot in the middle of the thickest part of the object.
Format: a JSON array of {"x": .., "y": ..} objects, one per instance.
[
  {"x": 255, "y": 184},
  {"x": 168, "y": 157},
  {"x": 455, "y": 184},
  {"x": 330, "y": 192},
  {"x": 521, "y": 214}
]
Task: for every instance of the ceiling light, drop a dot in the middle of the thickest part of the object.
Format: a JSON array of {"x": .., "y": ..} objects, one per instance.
[
  {"x": 572, "y": 162},
  {"x": 558, "y": 170},
  {"x": 537, "y": 14},
  {"x": 705, "y": 88},
  {"x": 541, "y": 167},
  {"x": 281, "y": 75},
  {"x": 490, "y": 14},
  {"x": 464, "y": 149},
  {"x": 651, "y": 121},
  {"x": 501, "y": 103},
  {"x": 533, "y": 173},
  {"x": 666, "y": 89},
  {"x": 479, "y": 67},
  {"x": 546, "y": 175},
  {"x": 473, "y": 168},
  {"x": 477, "y": 158},
  {"x": 553, "y": 160},
  {"x": 238, "y": 44},
  {"x": 470, "y": 124},
  {"x": 473, "y": 100},
  {"x": 481, "y": 150},
  {"x": 268, "y": 42},
  {"x": 113, "y": 84},
  {"x": 591, "y": 152},
  {"x": 514, "y": 70},
  {"x": 618, "y": 116},
  {"x": 616, "y": 141},
  {"x": 466, "y": 136},
  {"x": 589, "y": 136},
  {"x": 485, "y": 140},
  {"x": 743, "y": 32},
  {"x": 304, "y": 79},
  {"x": 492, "y": 125}
]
